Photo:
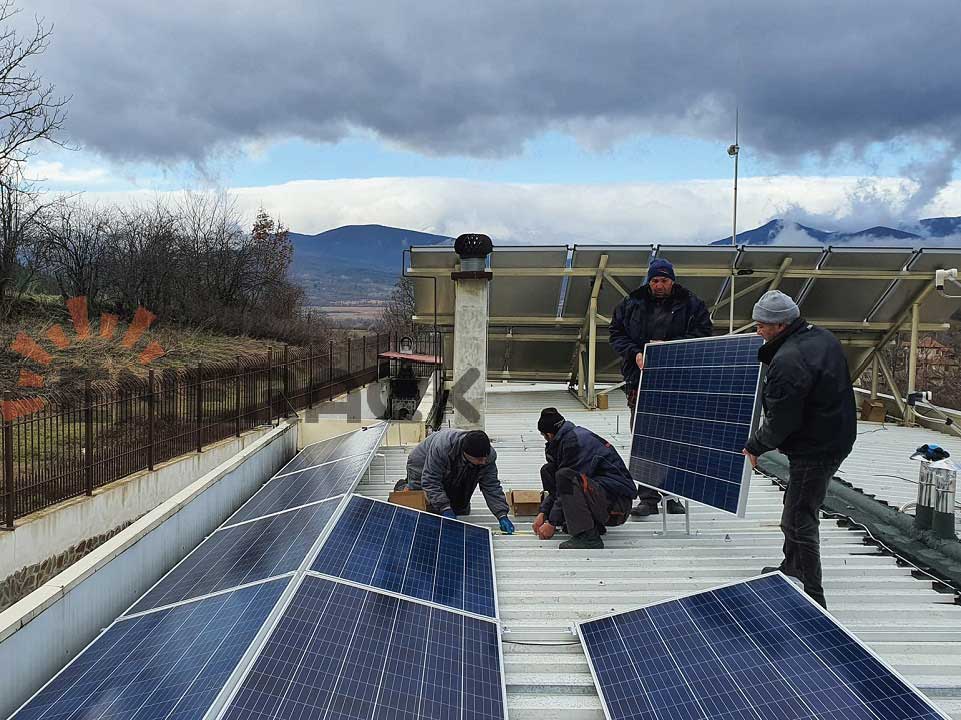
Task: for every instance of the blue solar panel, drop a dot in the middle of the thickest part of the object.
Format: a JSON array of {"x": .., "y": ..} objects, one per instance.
[
  {"x": 758, "y": 649},
  {"x": 695, "y": 409},
  {"x": 344, "y": 652},
  {"x": 359, "y": 442},
  {"x": 302, "y": 488},
  {"x": 413, "y": 553},
  {"x": 167, "y": 664},
  {"x": 242, "y": 554}
]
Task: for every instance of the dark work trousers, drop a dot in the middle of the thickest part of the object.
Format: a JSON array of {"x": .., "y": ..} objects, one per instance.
[
  {"x": 585, "y": 504},
  {"x": 645, "y": 495},
  {"x": 459, "y": 495},
  {"x": 807, "y": 486}
]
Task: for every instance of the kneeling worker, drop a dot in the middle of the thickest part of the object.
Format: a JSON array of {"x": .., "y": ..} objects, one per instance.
[
  {"x": 588, "y": 486},
  {"x": 449, "y": 465}
]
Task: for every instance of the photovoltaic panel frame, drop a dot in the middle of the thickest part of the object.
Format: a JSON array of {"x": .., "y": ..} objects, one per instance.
[
  {"x": 696, "y": 406},
  {"x": 756, "y": 649}
]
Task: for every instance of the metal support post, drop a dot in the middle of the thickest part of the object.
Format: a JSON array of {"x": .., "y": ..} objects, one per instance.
[
  {"x": 874, "y": 378},
  {"x": 913, "y": 359},
  {"x": 200, "y": 408},
  {"x": 237, "y": 410},
  {"x": 310, "y": 376},
  {"x": 8, "y": 488},
  {"x": 592, "y": 355},
  {"x": 893, "y": 385},
  {"x": 687, "y": 516},
  {"x": 270, "y": 386},
  {"x": 150, "y": 419},
  {"x": 285, "y": 379},
  {"x": 733, "y": 298}
]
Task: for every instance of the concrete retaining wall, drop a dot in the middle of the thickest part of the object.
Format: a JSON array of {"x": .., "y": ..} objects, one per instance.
[{"x": 42, "y": 632}]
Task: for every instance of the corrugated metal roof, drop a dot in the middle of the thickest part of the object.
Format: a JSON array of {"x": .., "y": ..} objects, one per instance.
[{"x": 543, "y": 590}]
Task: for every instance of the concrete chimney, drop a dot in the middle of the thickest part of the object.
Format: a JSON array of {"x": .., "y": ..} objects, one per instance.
[{"x": 471, "y": 314}]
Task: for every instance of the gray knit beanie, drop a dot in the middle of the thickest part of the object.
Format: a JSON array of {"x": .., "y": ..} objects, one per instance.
[{"x": 776, "y": 308}]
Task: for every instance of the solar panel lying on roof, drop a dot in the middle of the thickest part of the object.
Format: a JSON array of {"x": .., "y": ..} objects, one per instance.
[
  {"x": 167, "y": 664},
  {"x": 756, "y": 649},
  {"x": 337, "y": 476},
  {"x": 343, "y": 652},
  {"x": 412, "y": 553},
  {"x": 242, "y": 554},
  {"x": 357, "y": 442},
  {"x": 696, "y": 406}
]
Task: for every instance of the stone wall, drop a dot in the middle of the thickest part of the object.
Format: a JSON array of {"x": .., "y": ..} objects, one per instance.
[{"x": 26, "y": 580}]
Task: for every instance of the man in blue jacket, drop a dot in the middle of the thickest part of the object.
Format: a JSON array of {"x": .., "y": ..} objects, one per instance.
[
  {"x": 661, "y": 309},
  {"x": 588, "y": 487}
]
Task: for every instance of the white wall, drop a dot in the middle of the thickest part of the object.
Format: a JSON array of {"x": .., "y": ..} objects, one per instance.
[{"x": 42, "y": 632}]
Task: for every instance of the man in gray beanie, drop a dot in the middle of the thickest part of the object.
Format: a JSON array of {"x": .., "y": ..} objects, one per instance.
[{"x": 810, "y": 416}]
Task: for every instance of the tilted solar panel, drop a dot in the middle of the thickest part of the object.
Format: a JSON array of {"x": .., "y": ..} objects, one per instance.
[
  {"x": 755, "y": 650},
  {"x": 167, "y": 664},
  {"x": 412, "y": 553},
  {"x": 242, "y": 554},
  {"x": 358, "y": 442},
  {"x": 696, "y": 407},
  {"x": 340, "y": 651}
]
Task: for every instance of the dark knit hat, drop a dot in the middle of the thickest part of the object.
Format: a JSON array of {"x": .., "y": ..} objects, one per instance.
[
  {"x": 660, "y": 267},
  {"x": 550, "y": 420},
  {"x": 476, "y": 444}
]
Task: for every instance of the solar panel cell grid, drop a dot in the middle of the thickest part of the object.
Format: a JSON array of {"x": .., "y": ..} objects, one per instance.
[
  {"x": 412, "y": 553},
  {"x": 343, "y": 652},
  {"x": 695, "y": 407},
  {"x": 754, "y": 650},
  {"x": 242, "y": 554},
  {"x": 359, "y": 442},
  {"x": 171, "y": 663}
]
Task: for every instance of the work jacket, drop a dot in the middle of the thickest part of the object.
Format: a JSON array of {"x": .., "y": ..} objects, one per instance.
[
  {"x": 636, "y": 322},
  {"x": 808, "y": 400},
  {"x": 590, "y": 456},
  {"x": 437, "y": 466}
]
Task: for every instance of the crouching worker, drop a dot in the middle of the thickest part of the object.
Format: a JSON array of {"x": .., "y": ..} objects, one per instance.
[
  {"x": 588, "y": 487},
  {"x": 449, "y": 465}
]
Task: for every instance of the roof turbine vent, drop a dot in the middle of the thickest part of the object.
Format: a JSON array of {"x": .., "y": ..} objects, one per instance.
[{"x": 473, "y": 249}]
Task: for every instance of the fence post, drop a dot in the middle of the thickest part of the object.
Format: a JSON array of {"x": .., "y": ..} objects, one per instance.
[
  {"x": 310, "y": 375},
  {"x": 87, "y": 438},
  {"x": 330, "y": 370},
  {"x": 270, "y": 386},
  {"x": 285, "y": 379},
  {"x": 150, "y": 420},
  {"x": 8, "y": 506},
  {"x": 200, "y": 407},
  {"x": 348, "y": 357},
  {"x": 363, "y": 365},
  {"x": 237, "y": 418}
]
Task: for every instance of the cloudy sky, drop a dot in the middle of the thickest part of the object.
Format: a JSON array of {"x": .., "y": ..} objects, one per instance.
[{"x": 532, "y": 121}]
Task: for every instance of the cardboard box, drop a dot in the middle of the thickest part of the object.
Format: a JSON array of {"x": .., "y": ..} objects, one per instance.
[
  {"x": 416, "y": 499},
  {"x": 872, "y": 411},
  {"x": 524, "y": 502},
  {"x": 602, "y": 402}
]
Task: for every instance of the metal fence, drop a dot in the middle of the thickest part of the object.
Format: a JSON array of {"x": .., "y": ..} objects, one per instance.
[{"x": 100, "y": 435}]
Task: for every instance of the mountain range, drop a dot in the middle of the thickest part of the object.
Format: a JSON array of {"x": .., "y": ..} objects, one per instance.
[{"x": 929, "y": 231}]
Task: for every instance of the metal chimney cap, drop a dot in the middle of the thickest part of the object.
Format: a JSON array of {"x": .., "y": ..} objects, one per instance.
[{"x": 473, "y": 245}]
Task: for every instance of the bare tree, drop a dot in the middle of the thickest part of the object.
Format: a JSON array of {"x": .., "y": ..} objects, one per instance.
[
  {"x": 399, "y": 310},
  {"x": 30, "y": 110},
  {"x": 21, "y": 248},
  {"x": 78, "y": 242}
]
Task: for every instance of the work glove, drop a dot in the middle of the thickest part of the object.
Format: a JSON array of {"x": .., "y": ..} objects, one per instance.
[
  {"x": 506, "y": 525},
  {"x": 449, "y": 514}
]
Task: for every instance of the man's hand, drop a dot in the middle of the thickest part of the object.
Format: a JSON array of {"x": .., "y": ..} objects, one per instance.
[
  {"x": 639, "y": 359},
  {"x": 507, "y": 527},
  {"x": 538, "y": 521},
  {"x": 545, "y": 531},
  {"x": 749, "y": 456}
]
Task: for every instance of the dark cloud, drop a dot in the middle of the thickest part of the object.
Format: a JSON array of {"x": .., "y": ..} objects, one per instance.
[{"x": 178, "y": 80}]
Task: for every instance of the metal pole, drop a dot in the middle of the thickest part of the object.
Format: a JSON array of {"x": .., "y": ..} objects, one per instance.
[
  {"x": 8, "y": 505},
  {"x": 310, "y": 376},
  {"x": 874, "y": 378},
  {"x": 330, "y": 370},
  {"x": 731, "y": 328},
  {"x": 237, "y": 417},
  {"x": 285, "y": 378},
  {"x": 270, "y": 386},
  {"x": 363, "y": 365},
  {"x": 348, "y": 356},
  {"x": 150, "y": 419},
  {"x": 87, "y": 438},
  {"x": 592, "y": 356},
  {"x": 200, "y": 407},
  {"x": 889, "y": 377},
  {"x": 913, "y": 359}
]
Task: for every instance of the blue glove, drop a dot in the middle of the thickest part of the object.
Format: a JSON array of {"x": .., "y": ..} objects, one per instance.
[
  {"x": 449, "y": 514},
  {"x": 506, "y": 525}
]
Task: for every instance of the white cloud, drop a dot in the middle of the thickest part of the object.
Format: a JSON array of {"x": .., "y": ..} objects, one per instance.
[
  {"x": 696, "y": 211},
  {"x": 56, "y": 172}
]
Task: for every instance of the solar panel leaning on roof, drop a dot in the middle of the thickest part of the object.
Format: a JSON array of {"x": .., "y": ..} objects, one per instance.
[
  {"x": 696, "y": 406},
  {"x": 412, "y": 553},
  {"x": 756, "y": 649}
]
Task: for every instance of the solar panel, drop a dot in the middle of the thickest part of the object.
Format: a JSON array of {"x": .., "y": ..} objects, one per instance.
[
  {"x": 411, "y": 553},
  {"x": 168, "y": 664},
  {"x": 340, "y": 651},
  {"x": 242, "y": 554},
  {"x": 359, "y": 442},
  {"x": 304, "y": 487},
  {"x": 696, "y": 406},
  {"x": 757, "y": 649}
]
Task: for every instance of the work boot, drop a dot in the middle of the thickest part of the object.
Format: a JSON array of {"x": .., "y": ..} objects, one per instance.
[
  {"x": 675, "y": 507},
  {"x": 588, "y": 540},
  {"x": 643, "y": 510}
]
